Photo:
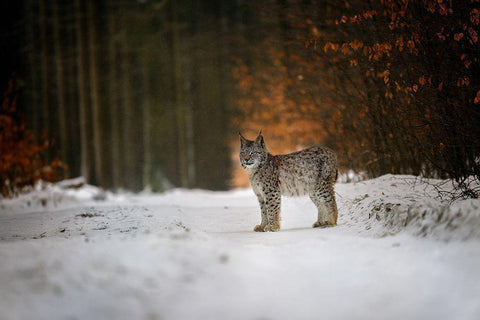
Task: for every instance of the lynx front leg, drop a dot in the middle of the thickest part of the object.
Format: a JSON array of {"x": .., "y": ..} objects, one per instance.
[
  {"x": 324, "y": 200},
  {"x": 263, "y": 209},
  {"x": 272, "y": 203}
]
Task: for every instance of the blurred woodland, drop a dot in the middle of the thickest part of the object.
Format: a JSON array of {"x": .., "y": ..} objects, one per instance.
[
  {"x": 392, "y": 86},
  {"x": 129, "y": 94},
  {"x": 134, "y": 94}
]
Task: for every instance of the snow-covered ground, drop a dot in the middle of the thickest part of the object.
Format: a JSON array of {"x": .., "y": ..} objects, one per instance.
[{"x": 398, "y": 252}]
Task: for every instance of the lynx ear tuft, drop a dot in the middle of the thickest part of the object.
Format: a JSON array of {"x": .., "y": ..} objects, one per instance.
[
  {"x": 242, "y": 138},
  {"x": 259, "y": 139}
]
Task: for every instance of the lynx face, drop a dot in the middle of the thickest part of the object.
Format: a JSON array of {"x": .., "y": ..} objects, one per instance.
[{"x": 253, "y": 154}]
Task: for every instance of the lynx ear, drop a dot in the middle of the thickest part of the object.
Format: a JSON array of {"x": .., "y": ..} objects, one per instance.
[
  {"x": 242, "y": 138},
  {"x": 259, "y": 139}
]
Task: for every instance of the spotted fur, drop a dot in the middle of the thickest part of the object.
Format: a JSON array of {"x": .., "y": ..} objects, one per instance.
[{"x": 311, "y": 172}]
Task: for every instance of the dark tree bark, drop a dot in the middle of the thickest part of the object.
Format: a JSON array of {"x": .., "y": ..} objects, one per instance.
[
  {"x": 82, "y": 93},
  {"x": 45, "y": 69},
  {"x": 60, "y": 79},
  {"x": 113, "y": 83},
  {"x": 94, "y": 94}
]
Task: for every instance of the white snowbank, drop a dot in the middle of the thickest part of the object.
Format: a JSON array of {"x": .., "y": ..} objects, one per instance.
[
  {"x": 393, "y": 203},
  {"x": 47, "y": 196},
  {"x": 378, "y": 207}
]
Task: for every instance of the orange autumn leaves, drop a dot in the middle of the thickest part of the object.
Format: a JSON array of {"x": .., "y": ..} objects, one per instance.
[
  {"x": 271, "y": 98},
  {"x": 406, "y": 39},
  {"x": 22, "y": 160},
  {"x": 394, "y": 84}
]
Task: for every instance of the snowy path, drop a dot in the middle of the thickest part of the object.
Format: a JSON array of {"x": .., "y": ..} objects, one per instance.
[{"x": 192, "y": 255}]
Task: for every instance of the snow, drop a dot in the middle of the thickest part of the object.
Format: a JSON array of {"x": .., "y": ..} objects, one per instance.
[{"x": 398, "y": 252}]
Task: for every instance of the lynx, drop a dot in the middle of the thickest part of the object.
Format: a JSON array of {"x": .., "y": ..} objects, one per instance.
[{"x": 311, "y": 172}]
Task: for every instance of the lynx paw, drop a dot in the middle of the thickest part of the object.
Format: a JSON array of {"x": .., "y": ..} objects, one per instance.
[
  {"x": 323, "y": 224},
  {"x": 258, "y": 228},
  {"x": 271, "y": 228}
]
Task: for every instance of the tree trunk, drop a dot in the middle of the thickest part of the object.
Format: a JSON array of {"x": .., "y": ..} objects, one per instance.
[
  {"x": 33, "y": 66},
  {"x": 45, "y": 63},
  {"x": 72, "y": 111},
  {"x": 62, "y": 119},
  {"x": 115, "y": 124},
  {"x": 146, "y": 106},
  {"x": 129, "y": 139},
  {"x": 94, "y": 94},
  {"x": 82, "y": 94},
  {"x": 183, "y": 112}
]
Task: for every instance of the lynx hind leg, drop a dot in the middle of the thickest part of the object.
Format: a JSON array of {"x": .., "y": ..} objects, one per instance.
[{"x": 324, "y": 199}]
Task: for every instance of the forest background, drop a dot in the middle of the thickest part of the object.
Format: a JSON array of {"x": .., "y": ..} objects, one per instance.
[{"x": 152, "y": 93}]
